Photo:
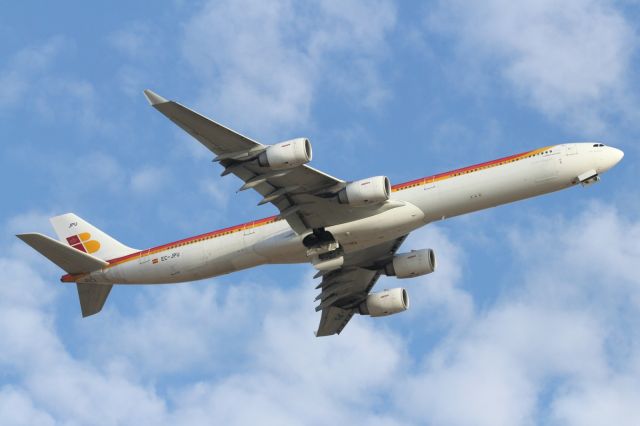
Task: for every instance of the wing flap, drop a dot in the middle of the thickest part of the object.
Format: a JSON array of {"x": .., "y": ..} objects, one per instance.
[{"x": 333, "y": 321}]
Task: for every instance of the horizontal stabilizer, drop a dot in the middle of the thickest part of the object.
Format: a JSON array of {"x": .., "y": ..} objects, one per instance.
[
  {"x": 71, "y": 260},
  {"x": 92, "y": 297}
]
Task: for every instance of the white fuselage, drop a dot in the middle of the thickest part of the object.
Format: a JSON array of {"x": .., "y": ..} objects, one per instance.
[{"x": 422, "y": 201}]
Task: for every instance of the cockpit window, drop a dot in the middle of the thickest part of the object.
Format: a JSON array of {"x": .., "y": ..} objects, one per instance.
[{"x": 596, "y": 145}]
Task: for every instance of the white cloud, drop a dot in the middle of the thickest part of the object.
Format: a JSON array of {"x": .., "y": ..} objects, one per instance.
[
  {"x": 136, "y": 40},
  {"x": 30, "y": 62},
  {"x": 218, "y": 189},
  {"x": 571, "y": 60},
  {"x": 17, "y": 408},
  {"x": 131, "y": 80},
  {"x": 241, "y": 341},
  {"x": 104, "y": 172},
  {"x": 562, "y": 345},
  {"x": 572, "y": 327},
  {"x": 32, "y": 221},
  {"x": 499, "y": 366},
  {"x": 154, "y": 342},
  {"x": 58, "y": 385},
  {"x": 306, "y": 382},
  {"x": 436, "y": 299},
  {"x": 615, "y": 400},
  {"x": 149, "y": 180},
  {"x": 195, "y": 326},
  {"x": 99, "y": 171},
  {"x": 141, "y": 47},
  {"x": 31, "y": 82},
  {"x": 262, "y": 62}
]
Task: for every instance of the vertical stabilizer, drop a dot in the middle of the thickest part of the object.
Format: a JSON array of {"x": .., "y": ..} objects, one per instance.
[{"x": 81, "y": 235}]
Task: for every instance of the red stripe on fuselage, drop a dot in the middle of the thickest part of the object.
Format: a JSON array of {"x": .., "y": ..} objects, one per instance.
[
  {"x": 456, "y": 172},
  {"x": 206, "y": 236}
]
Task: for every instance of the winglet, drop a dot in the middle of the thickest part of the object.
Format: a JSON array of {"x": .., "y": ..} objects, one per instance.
[{"x": 154, "y": 98}]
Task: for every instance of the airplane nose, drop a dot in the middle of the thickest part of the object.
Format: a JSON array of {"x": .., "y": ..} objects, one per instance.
[
  {"x": 617, "y": 155},
  {"x": 611, "y": 157}
]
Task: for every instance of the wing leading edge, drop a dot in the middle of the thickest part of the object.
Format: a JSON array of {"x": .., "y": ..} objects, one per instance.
[
  {"x": 304, "y": 196},
  {"x": 235, "y": 153}
]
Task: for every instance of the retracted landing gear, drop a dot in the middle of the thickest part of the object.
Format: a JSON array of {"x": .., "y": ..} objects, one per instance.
[
  {"x": 320, "y": 241},
  {"x": 323, "y": 250}
]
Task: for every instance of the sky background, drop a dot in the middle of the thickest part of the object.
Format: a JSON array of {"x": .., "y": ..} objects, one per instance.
[{"x": 533, "y": 316}]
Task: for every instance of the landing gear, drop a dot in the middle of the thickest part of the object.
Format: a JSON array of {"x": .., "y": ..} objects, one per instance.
[
  {"x": 320, "y": 241},
  {"x": 323, "y": 250}
]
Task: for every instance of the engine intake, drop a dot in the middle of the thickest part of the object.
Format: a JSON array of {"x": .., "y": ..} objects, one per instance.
[
  {"x": 286, "y": 155},
  {"x": 366, "y": 191},
  {"x": 412, "y": 264},
  {"x": 387, "y": 302}
]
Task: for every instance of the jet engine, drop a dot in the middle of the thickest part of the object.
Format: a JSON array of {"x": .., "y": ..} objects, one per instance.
[
  {"x": 387, "y": 302},
  {"x": 286, "y": 155},
  {"x": 412, "y": 264},
  {"x": 366, "y": 191}
]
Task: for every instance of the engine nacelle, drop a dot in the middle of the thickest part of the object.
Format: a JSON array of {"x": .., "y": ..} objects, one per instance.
[
  {"x": 286, "y": 155},
  {"x": 412, "y": 264},
  {"x": 366, "y": 191},
  {"x": 387, "y": 302}
]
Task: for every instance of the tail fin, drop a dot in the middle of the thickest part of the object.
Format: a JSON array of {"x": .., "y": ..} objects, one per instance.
[{"x": 81, "y": 235}]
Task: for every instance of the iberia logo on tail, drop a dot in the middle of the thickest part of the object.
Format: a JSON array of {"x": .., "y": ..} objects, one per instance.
[{"x": 83, "y": 242}]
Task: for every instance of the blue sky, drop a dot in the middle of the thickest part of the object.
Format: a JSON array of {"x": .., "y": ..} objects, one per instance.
[{"x": 532, "y": 317}]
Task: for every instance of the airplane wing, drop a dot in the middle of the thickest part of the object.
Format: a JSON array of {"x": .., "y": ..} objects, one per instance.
[
  {"x": 302, "y": 194},
  {"x": 344, "y": 289}
]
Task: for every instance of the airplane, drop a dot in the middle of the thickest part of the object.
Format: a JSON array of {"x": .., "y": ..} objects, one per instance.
[{"x": 350, "y": 231}]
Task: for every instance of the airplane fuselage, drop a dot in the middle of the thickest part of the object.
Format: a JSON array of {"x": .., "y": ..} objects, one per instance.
[{"x": 414, "y": 204}]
